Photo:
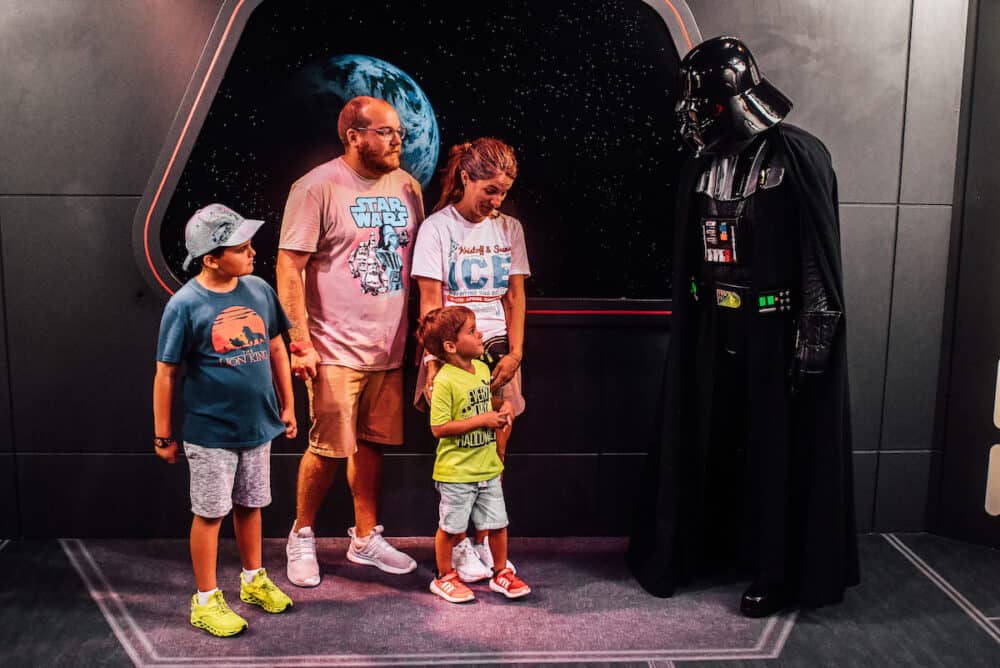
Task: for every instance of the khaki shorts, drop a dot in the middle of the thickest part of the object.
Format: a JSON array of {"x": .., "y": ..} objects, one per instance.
[{"x": 347, "y": 405}]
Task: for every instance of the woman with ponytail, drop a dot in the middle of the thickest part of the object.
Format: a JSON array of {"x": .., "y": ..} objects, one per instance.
[{"x": 468, "y": 253}]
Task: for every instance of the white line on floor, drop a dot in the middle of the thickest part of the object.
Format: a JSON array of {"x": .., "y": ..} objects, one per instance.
[
  {"x": 972, "y": 611},
  {"x": 3, "y": 544},
  {"x": 102, "y": 606},
  {"x": 123, "y": 612}
]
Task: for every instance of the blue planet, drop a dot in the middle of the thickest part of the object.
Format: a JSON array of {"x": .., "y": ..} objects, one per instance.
[{"x": 343, "y": 77}]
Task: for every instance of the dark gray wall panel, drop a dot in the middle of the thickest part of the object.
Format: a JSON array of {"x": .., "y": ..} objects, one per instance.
[
  {"x": 560, "y": 403},
  {"x": 127, "y": 496},
  {"x": 866, "y": 242},
  {"x": 551, "y": 495},
  {"x": 6, "y": 428},
  {"x": 937, "y": 51},
  {"x": 631, "y": 379},
  {"x": 618, "y": 493},
  {"x": 844, "y": 66},
  {"x": 901, "y": 504},
  {"x": 865, "y": 466},
  {"x": 94, "y": 89},
  {"x": 409, "y": 503},
  {"x": 915, "y": 330},
  {"x": 8, "y": 500},
  {"x": 82, "y": 327}
]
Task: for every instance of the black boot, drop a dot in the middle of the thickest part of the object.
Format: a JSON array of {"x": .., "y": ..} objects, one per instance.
[{"x": 762, "y": 599}]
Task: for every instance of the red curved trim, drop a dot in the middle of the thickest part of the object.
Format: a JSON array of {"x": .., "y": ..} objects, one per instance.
[
  {"x": 548, "y": 311},
  {"x": 177, "y": 147},
  {"x": 687, "y": 38}
]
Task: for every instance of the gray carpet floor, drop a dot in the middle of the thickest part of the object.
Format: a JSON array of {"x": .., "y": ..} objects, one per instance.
[{"x": 924, "y": 601}]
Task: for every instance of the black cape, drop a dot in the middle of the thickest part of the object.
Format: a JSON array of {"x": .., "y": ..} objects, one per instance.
[{"x": 667, "y": 545}]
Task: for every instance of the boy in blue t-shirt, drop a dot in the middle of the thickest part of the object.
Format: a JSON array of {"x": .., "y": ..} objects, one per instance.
[
  {"x": 226, "y": 327},
  {"x": 467, "y": 467}
]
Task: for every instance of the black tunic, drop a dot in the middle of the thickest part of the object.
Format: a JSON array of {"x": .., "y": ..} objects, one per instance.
[{"x": 747, "y": 473}]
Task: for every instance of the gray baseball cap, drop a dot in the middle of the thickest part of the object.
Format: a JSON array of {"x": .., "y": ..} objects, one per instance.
[{"x": 213, "y": 226}]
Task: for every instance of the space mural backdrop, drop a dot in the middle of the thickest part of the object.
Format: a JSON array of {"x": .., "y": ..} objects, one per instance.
[{"x": 583, "y": 90}]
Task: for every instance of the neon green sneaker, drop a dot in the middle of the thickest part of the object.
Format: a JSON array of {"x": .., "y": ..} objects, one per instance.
[
  {"x": 216, "y": 617},
  {"x": 264, "y": 593}
]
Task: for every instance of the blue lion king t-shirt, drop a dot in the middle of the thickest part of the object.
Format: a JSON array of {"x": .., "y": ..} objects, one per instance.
[{"x": 224, "y": 339}]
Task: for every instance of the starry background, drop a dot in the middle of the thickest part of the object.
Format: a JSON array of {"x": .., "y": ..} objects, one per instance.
[{"x": 583, "y": 90}]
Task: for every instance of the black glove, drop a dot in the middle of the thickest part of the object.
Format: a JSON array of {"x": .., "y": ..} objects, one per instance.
[{"x": 813, "y": 343}]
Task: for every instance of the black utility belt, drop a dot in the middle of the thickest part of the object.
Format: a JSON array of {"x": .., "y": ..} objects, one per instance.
[{"x": 740, "y": 297}]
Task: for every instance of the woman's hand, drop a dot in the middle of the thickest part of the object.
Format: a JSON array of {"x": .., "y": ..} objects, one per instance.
[
  {"x": 504, "y": 371},
  {"x": 433, "y": 366}
]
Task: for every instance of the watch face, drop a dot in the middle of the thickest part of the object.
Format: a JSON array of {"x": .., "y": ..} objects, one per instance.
[{"x": 585, "y": 97}]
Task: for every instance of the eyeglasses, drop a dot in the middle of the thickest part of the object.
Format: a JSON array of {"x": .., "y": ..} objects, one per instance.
[{"x": 385, "y": 133}]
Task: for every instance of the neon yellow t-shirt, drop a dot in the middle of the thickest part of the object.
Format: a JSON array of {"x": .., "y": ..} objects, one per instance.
[{"x": 457, "y": 395}]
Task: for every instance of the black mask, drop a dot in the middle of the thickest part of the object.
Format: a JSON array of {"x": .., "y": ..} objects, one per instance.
[{"x": 724, "y": 100}]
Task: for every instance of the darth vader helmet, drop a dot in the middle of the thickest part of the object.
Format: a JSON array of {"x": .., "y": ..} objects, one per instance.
[{"x": 724, "y": 100}]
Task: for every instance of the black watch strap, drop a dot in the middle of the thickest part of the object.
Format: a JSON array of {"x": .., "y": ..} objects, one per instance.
[{"x": 164, "y": 442}]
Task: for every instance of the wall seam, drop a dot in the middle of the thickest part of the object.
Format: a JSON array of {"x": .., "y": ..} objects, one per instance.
[{"x": 889, "y": 204}]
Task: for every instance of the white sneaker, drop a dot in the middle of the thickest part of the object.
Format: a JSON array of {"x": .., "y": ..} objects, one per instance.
[
  {"x": 486, "y": 557},
  {"x": 377, "y": 552},
  {"x": 465, "y": 560},
  {"x": 303, "y": 568}
]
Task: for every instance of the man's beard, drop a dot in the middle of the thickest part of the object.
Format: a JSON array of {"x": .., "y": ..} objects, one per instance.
[{"x": 380, "y": 161}]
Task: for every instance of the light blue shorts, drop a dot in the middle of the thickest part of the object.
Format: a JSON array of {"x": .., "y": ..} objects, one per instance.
[
  {"x": 221, "y": 477},
  {"x": 481, "y": 501}
]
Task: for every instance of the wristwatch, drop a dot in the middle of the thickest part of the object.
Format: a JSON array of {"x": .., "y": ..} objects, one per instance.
[{"x": 160, "y": 442}]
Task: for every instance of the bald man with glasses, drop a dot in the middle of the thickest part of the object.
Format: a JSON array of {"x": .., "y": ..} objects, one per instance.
[{"x": 339, "y": 282}]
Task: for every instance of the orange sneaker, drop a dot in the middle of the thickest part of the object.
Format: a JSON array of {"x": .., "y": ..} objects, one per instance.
[
  {"x": 451, "y": 589},
  {"x": 507, "y": 583}
]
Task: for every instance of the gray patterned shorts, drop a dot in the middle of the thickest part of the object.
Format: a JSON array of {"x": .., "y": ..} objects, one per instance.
[{"x": 221, "y": 477}]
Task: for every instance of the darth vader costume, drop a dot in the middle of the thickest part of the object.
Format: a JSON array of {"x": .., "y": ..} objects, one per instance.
[{"x": 753, "y": 471}]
